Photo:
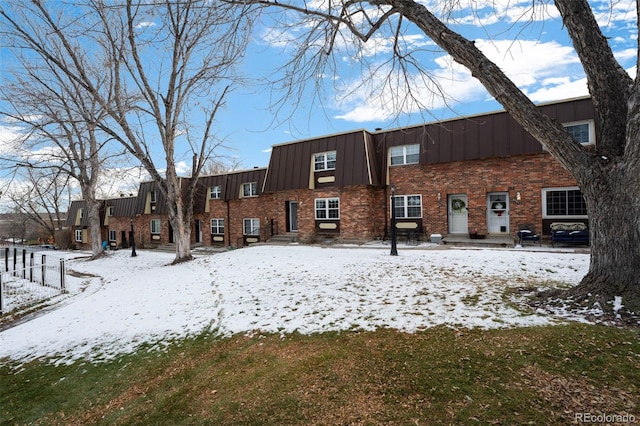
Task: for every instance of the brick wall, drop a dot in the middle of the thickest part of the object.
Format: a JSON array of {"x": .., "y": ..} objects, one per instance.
[{"x": 525, "y": 174}]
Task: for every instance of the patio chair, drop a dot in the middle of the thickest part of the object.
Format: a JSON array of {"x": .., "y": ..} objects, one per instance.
[{"x": 527, "y": 232}]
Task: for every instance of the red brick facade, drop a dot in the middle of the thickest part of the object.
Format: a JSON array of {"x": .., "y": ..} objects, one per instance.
[{"x": 455, "y": 183}]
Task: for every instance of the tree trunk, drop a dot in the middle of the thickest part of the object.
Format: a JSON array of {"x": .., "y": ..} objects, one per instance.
[
  {"x": 613, "y": 207},
  {"x": 93, "y": 212},
  {"x": 180, "y": 219}
]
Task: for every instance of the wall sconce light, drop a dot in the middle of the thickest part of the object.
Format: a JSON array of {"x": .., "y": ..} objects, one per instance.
[
  {"x": 518, "y": 196},
  {"x": 439, "y": 197}
]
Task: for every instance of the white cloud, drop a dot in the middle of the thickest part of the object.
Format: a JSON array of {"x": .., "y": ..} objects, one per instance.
[
  {"x": 529, "y": 63},
  {"x": 9, "y": 137}
]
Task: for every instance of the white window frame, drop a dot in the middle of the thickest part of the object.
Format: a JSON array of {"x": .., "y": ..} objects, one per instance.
[
  {"x": 322, "y": 162},
  {"x": 79, "y": 236},
  {"x": 326, "y": 208},
  {"x": 110, "y": 211},
  {"x": 113, "y": 235},
  {"x": 218, "y": 227},
  {"x": 402, "y": 154},
  {"x": 254, "y": 226},
  {"x": 404, "y": 199},
  {"x": 544, "y": 203},
  {"x": 253, "y": 189},
  {"x": 215, "y": 192},
  {"x": 152, "y": 196},
  {"x": 592, "y": 130},
  {"x": 158, "y": 231}
]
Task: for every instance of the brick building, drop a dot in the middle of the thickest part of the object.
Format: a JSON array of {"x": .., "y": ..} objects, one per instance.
[{"x": 482, "y": 173}]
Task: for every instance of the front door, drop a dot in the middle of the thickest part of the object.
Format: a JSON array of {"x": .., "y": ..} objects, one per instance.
[
  {"x": 498, "y": 212},
  {"x": 458, "y": 214},
  {"x": 198, "y": 232},
  {"x": 292, "y": 216}
]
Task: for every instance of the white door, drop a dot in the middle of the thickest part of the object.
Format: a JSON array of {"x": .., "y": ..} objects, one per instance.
[
  {"x": 458, "y": 214},
  {"x": 498, "y": 212}
]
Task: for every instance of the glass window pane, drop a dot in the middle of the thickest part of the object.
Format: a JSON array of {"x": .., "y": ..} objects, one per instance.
[{"x": 579, "y": 132}]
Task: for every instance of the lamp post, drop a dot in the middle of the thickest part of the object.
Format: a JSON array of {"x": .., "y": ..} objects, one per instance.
[
  {"x": 394, "y": 248},
  {"x": 132, "y": 238}
]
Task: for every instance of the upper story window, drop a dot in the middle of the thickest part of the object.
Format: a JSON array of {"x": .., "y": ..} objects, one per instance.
[
  {"x": 408, "y": 206},
  {"x": 563, "y": 203},
  {"x": 110, "y": 211},
  {"x": 250, "y": 189},
  {"x": 582, "y": 131},
  {"x": 327, "y": 208},
  {"x": 405, "y": 154},
  {"x": 215, "y": 192},
  {"x": 324, "y": 161},
  {"x": 152, "y": 196}
]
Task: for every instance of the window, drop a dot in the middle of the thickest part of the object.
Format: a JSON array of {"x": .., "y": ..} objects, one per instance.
[
  {"x": 582, "y": 132},
  {"x": 408, "y": 206},
  {"x": 405, "y": 154},
  {"x": 112, "y": 235},
  {"x": 217, "y": 226},
  {"x": 324, "y": 161},
  {"x": 155, "y": 226},
  {"x": 250, "y": 189},
  {"x": 78, "y": 235},
  {"x": 215, "y": 192},
  {"x": 563, "y": 202},
  {"x": 110, "y": 211},
  {"x": 251, "y": 226},
  {"x": 152, "y": 196},
  {"x": 327, "y": 208}
]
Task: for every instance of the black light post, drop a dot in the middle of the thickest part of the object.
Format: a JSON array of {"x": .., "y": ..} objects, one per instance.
[
  {"x": 394, "y": 248},
  {"x": 132, "y": 238}
]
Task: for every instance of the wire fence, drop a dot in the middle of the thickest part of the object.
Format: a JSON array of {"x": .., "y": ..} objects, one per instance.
[{"x": 28, "y": 278}]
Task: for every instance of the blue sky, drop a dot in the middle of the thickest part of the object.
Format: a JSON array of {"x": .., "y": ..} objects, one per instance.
[{"x": 537, "y": 56}]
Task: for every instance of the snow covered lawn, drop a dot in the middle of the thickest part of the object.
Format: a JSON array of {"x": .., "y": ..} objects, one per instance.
[{"x": 285, "y": 289}]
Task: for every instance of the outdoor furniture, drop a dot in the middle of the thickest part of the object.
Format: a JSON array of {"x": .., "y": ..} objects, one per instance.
[
  {"x": 527, "y": 232},
  {"x": 570, "y": 233}
]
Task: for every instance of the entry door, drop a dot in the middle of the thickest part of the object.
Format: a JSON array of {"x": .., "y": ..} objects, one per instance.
[
  {"x": 458, "y": 214},
  {"x": 292, "y": 216},
  {"x": 498, "y": 212},
  {"x": 198, "y": 232}
]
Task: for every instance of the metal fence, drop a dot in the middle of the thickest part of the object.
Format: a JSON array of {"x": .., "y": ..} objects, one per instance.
[{"x": 27, "y": 278}]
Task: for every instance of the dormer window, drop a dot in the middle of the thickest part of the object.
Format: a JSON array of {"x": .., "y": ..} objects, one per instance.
[
  {"x": 582, "y": 132},
  {"x": 250, "y": 189},
  {"x": 324, "y": 161},
  {"x": 215, "y": 192},
  {"x": 152, "y": 196},
  {"x": 405, "y": 154},
  {"x": 110, "y": 211}
]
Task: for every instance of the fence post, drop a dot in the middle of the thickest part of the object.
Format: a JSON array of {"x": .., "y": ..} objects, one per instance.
[
  {"x": 62, "y": 286},
  {"x": 31, "y": 267},
  {"x": 6, "y": 259},
  {"x": 44, "y": 267},
  {"x": 24, "y": 263},
  {"x": 1, "y": 295},
  {"x": 15, "y": 260}
]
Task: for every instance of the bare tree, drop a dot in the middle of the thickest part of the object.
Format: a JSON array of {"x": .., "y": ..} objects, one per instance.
[
  {"x": 167, "y": 67},
  {"x": 60, "y": 137},
  {"x": 42, "y": 197},
  {"x": 608, "y": 175}
]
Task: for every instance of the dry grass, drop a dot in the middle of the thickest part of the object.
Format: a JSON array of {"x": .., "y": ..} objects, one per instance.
[{"x": 440, "y": 376}]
